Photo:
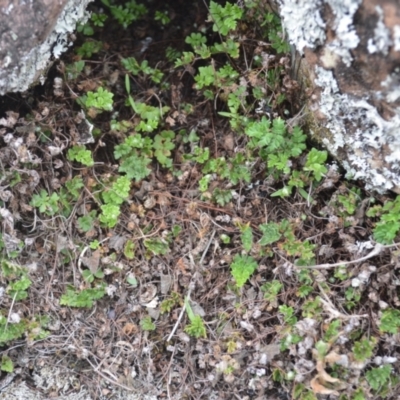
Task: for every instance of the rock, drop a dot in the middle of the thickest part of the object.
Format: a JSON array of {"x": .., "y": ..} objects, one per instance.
[
  {"x": 32, "y": 34},
  {"x": 351, "y": 68}
]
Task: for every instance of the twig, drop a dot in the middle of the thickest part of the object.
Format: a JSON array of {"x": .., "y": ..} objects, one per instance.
[
  {"x": 297, "y": 117},
  {"x": 96, "y": 368},
  {"x": 143, "y": 236},
  {"x": 191, "y": 286},
  {"x": 112, "y": 381},
  {"x": 168, "y": 367},
  {"x": 179, "y": 318},
  {"x": 53, "y": 271},
  {"x": 207, "y": 247},
  {"x": 223, "y": 228},
  {"x": 374, "y": 252},
  {"x": 85, "y": 249},
  {"x": 8, "y": 379},
  {"x": 336, "y": 313},
  {"x": 10, "y": 310}
]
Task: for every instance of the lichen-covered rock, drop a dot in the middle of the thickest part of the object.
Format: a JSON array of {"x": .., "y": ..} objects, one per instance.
[
  {"x": 64, "y": 383},
  {"x": 351, "y": 63},
  {"x": 32, "y": 33}
]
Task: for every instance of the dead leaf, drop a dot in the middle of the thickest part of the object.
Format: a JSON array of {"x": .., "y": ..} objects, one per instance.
[
  {"x": 55, "y": 150},
  {"x": 317, "y": 388},
  {"x": 113, "y": 78},
  {"x": 92, "y": 112},
  {"x": 84, "y": 129},
  {"x": 8, "y": 218},
  {"x": 130, "y": 329},
  {"x": 11, "y": 119},
  {"x": 166, "y": 282},
  {"x": 150, "y": 202},
  {"x": 117, "y": 242},
  {"x": 163, "y": 199},
  {"x": 335, "y": 358},
  {"x": 148, "y": 294},
  {"x": 323, "y": 375},
  {"x": 182, "y": 266},
  {"x": 270, "y": 351},
  {"x": 93, "y": 261},
  {"x": 87, "y": 85},
  {"x": 170, "y": 121},
  {"x": 229, "y": 142}
]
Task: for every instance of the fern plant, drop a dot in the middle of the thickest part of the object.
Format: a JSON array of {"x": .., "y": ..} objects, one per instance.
[
  {"x": 118, "y": 192},
  {"x": 378, "y": 378},
  {"x": 101, "y": 99},
  {"x": 135, "y": 153},
  {"x": 147, "y": 324},
  {"x": 242, "y": 268},
  {"x": 246, "y": 236},
  {"x": 388, "y": 227},
  {"x": 127, "y": 13},
  {"x": 390, "y": 321},
  {"x": 83, "y": 298},
  {"x": 196, "y": 326},
  {"x": 275, "y": 144},
  {"x": 6, "y": 364},
  {"x": 225, "y": 18},
  {"x": 80, "y": 154},
  {"x": 33, "y": 328}
]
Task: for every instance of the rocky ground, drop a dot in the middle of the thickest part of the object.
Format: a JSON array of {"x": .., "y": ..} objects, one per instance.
[{"x": 168, "y": 231}]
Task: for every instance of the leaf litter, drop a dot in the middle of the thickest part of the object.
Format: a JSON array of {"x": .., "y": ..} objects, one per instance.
[{"x": 227, "y": 292}]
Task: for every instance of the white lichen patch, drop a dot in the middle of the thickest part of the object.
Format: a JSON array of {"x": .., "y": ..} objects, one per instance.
[
  {"x": 303, "y": 23},
  {"x": 66, "y": 383},
  {"x": 346, "y": 36},
  {"x": 329, "y": 58},
  {"x": 396, "y": 38},
  {"x": 306, "y": 28},
  {"x": 391, "y": 86},
  {"x": 21, "y": 391},
  {"x": 381, "y": 40},
  {"x": 356, "y": 126}
]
